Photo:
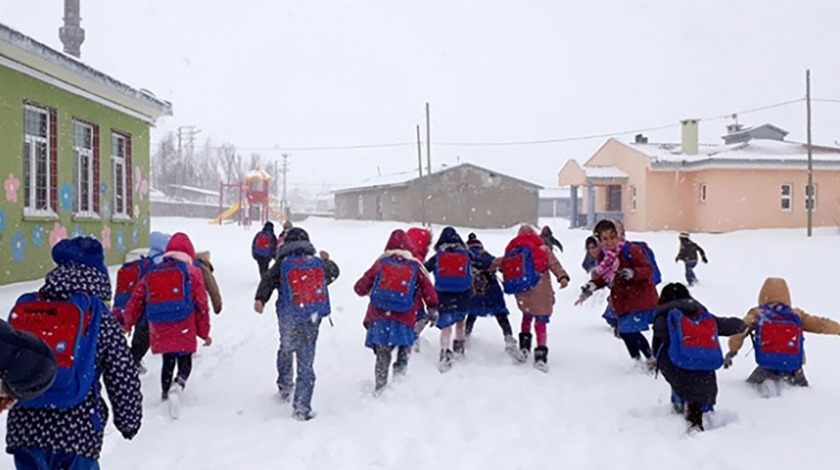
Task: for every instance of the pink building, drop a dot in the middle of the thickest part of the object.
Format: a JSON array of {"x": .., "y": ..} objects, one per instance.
[{"x": 755, "y": 179}]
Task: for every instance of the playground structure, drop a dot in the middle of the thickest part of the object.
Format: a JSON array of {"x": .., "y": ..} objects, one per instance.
[{"x": 253, "y": 201}]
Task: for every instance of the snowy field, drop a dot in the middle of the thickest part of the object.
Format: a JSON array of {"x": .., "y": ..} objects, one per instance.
[{"x": 593, "y": 410}]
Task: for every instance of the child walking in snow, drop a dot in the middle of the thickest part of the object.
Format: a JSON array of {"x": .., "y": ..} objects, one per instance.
[
  {"x": 420, "y": 239},
  {"x": 451, "y": 265},
  {"x": 685, "y": 340},
  {"x": 264, "y": 246},
  {"x": 488, "y": 298},
  {"x": 527, "y": 268},
  {"x": 629, "y": 274},
  {"x": 64, "y": 427},
  {"x": 777, "y": 333},
  {"x": 688, "y": 254},
  {"x": 301, "y": 279},
  {"x": 202, "y": 260},
  {"x": 398, "y": 285},
  {"x": 173, "y": 298}
]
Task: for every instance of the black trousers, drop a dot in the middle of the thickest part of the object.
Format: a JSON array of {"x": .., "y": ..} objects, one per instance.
[
  {"x": 636, "y": 344},
  {"x": 170, "y": 360},
  {"x": 140, "y": 342},
  {"x": 501, "y": 319},
  {"x": 263, "y": 263}
]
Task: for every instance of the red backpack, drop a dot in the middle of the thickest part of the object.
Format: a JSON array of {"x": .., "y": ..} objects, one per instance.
[
  {"x": 168, "y": 292},
  {"x": 128, "y": 277}
]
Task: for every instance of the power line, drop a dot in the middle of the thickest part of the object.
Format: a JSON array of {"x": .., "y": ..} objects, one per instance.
[{"x": 825, "y": 100}]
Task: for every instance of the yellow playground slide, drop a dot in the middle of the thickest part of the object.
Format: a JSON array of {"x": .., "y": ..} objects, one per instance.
[{"x": 226, "y": 214}]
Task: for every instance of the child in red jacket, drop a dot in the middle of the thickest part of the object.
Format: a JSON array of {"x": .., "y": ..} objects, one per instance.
[
  {"x": 175, "y": 319},
  {"x": 398, "y": 286}
]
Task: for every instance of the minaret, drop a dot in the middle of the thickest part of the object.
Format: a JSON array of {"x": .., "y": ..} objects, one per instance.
[{"x": 72, "y": 35}]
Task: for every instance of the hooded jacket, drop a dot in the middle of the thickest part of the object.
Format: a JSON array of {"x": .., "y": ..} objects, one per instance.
[
  {"x": 178, "y": 336},
  {"x": 420, "y": 239},
  {"x": 268, "y": 229},
  {"x": 400, "y": 249},
  {"x": 775, "y": 290},
  {"x": 202, "y": 258},
  {"x": 450, "y": 302},
  {"x": 538, "y": 301}
]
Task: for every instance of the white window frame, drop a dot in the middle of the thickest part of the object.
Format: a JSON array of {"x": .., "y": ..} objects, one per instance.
[
  {"x": 116, "y": 162},
  {"x": 814, "y": 197},
  {"x": 786, "y": 197},
  {"x": 30, "y": 204},
  {"x": 79, "y": 152},
  {"x": 633, "y": 193},
  {"x": 704, "y": 193}
]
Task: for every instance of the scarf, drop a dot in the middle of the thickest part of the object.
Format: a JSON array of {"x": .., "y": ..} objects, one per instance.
[{"x": 608, "y": 266}]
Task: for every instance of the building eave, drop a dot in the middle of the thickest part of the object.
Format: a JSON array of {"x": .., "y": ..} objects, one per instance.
[
  {"x": 738, "y": 164},
  {"x": 28, "y": 56}
]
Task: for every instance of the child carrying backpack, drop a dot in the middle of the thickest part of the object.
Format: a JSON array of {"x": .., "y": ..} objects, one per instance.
[
  {"x": 527, "y": 267},
  {"x": 685, "y": 339},
  {"x": 451, "y": 265},
  {"x": 264, "y": 246},
  {"x": 398, "y": 286},
  {"x": 301, "y": 279},
  {"x": 421, "y": 239},
  {"x": 172, "y": 296},
  {"x": 488, "y": 298},
  {"x": 629, "y": 270},
  {"x": 688, "y": 254},
  {"x": 777, "y": 333},
  {"x": 64, "y": 427}
]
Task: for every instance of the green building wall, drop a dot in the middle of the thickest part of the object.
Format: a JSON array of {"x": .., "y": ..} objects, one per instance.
[{"x": 26, "y": 242}]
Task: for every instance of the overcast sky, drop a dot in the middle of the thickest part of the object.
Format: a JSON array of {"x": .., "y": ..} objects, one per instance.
[{"x": 264, "y": 74}]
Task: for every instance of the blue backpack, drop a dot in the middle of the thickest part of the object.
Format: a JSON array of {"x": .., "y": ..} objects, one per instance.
[
  {"x": 453, "y": 272},
  {"x": 395, "y": 286},
  {"x": 262, "y": 246},
  {"x": 657, "y": 275},
  {"x": 168, "y": 292},
  {"x": 304, "y": 292},
  {"x": 128, "y": 276},
  {"x": 778, "y": 338},
  {"x": 71, "y": 329},
  {"x": 518, "y": 273},
  {"x": 694, "y": 341}
]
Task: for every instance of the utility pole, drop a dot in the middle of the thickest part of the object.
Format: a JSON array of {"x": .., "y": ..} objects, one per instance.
[
  {"x": 186, "y": 141},
  {"x": 809, "y": 191},
  {"x": 428, "y": 143},
  {"x": 284, "y": 204},
  {"x": 419, "y": 153},
  {"x": 422, "y": 183}
]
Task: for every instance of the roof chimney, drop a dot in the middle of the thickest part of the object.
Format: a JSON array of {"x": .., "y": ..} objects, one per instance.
[
  {"x": 690, "y": 136},
  {"x": 71, "y": 34},
  {"x": 641, "y": 139}
]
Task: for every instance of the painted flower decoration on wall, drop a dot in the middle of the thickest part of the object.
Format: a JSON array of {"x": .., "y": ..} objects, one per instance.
[
  {"x": 2, "y": 220},
  {"x": 78, "y": 231},
  {"x": 103, "y": 187},
  {"x": 66, "y": 196},
  {"x": 120, "y": 240},
  {"x": 141, "y": 184},
  {"x": 57, "y": 234},
  {"x": 105, "y": 237},
  {"x": 18, "y": 246},
  {"x": 106, "y": 210},
  {"x": 145, "y": 221},
  {"x": 38, "y": 235},
  {"x": 134, "y": 235},
  {"x": 12, "y": 185}
]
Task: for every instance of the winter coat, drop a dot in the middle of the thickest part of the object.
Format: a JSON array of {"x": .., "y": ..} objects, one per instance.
[
  {"x": 689, "y": 250},
  {"x": 203, "y": 261},
  {"x": 538, "y": 301},
  {"x": 488, "y": 297},
  {"x": 449, "y": 302},
  {"x": 775, "y": 290},
  {"x": 79, "y": 430},
  {"x": 636, "y": 294},
  {"x": 589, "y": 263},
  {"x": 176, "y": 336},
  {"x": 273, "y": 278},
  {"x": 699, "y": 386},
  {"x": 27, "y": 364},
  {"x": 398, "y": 249},
  {"x": 420, "y": 239}
]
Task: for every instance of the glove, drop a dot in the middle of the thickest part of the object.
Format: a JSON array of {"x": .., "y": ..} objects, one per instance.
[
  {"x": 727, "y": 360},
  {"x": 677, "y": 259},
  {"x": 432, "y": 315},
  {"x": 129, "y": 435},
  {"x": 625, "y": 273},
  {"x": 705, "y": 261},
  {"x": 588, "y": 289}
]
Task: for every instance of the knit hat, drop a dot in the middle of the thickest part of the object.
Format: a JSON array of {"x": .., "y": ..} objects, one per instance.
[
  {"x": 449, "y": 236},
  {"x": 297, "y": 234},
  {"x": 269, "y": 227},
  {"x": 85, "y": 251},
  {"x": 684, "y": 235},
  {"x": 774, "y": 290},
  {"x": 157, "y": 243},
  {"x": 673, "y": 291},
  {"x": 472, "y": 240},
  {"x": 287, "y": 225}
]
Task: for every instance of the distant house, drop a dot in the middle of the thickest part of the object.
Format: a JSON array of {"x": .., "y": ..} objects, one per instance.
[
  {"x": 557, "y": 202},
  {"x": 75, "y": 146},
  {"x": 754, "y": 179},
  {"x": 465, "y": 195}
]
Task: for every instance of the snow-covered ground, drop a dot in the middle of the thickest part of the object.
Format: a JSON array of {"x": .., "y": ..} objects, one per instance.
[{"x": 593, "y": 410}]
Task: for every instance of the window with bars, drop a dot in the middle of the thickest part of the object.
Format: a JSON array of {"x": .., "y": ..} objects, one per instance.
[
  {"x": 39, "y": 160},
  {"x": 120, "y": 164},
  {"x": 85, "y": 168},
  {"x": 787, "y": 197}
]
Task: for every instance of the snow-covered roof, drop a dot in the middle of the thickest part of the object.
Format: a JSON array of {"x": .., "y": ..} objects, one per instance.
[
  {"x": 26, "y": 55},
  {"x": 756, "y": 151},
  {"x": 604, "y": 172},
  {"x": 403, "y": 178},
  {"x": 560, "y": 192}
]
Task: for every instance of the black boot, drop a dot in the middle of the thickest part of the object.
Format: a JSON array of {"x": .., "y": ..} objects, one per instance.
[
  {"x": 525, "y": 344},
  {"x": 458, "y": 347},
  {"x": 445, "y": 360},
  {"x": 541, "y": 358},
  {"x": 694, "y": 416}
]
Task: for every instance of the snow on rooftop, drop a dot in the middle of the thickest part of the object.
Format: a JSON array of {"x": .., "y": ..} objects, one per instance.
[
  {"x": 604, "y": 172},
  {"x": 753, "y": 150}
]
